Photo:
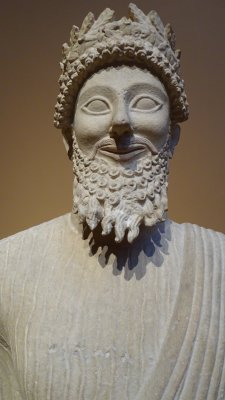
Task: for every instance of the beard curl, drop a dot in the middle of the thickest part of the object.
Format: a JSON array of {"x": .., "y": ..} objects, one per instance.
[{"x": 120, "y": 198}]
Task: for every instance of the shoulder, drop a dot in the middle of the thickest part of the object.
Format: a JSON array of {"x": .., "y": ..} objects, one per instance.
[
  {"x": 202, "y": 241},
  {"x": 193, "y": 229},
  {"x": 33, "y": 242},
  {"x": 38, "y": 232},
  {"x": 27, "y": 254}
]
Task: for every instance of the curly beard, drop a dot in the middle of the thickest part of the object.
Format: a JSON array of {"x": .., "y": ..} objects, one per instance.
[{"x": 120, "y": 198}]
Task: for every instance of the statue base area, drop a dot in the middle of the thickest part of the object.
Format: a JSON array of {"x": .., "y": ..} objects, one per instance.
[{"x": 80, "y": 320}]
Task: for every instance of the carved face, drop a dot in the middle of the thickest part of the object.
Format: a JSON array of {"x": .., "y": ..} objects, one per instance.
[
  {"x": 120, "y": 151},
  {"x": 127, "y": 105}
]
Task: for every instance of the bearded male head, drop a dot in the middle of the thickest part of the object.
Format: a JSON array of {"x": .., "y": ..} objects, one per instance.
[{"x": 120, "y": 101}]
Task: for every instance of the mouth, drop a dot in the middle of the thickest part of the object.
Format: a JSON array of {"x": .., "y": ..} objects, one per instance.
[{"x": 122, "y": 153}]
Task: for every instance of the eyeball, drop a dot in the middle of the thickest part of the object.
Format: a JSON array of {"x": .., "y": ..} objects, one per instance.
[
  {"x": 145, "y": 103},
  {"x": 97, "y": 106}
]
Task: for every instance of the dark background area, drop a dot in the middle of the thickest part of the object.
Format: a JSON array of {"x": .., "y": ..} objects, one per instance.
[{"x": 36, "y": 176}]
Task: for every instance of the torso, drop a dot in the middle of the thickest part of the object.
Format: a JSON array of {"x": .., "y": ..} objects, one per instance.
[{"x": 79, "y": 328}]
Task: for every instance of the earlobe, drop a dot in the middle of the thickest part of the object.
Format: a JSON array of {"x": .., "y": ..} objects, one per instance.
[
  {"x": 174, "y": 137},
  {"x": 68, "y": 140}
]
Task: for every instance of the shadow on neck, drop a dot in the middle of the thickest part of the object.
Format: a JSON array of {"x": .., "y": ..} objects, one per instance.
[{"x": 150, "y": 247}]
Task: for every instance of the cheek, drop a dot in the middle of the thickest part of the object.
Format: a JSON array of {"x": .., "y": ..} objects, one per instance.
[
  {"x": 89, "y": 129},
  {"x": 153, "y": 126}
]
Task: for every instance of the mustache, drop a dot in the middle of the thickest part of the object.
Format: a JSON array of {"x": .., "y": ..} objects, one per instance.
[{"x": 123, "y": 143}]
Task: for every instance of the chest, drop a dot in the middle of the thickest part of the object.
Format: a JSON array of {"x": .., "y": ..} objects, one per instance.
[{"x": 78, "y": 331}]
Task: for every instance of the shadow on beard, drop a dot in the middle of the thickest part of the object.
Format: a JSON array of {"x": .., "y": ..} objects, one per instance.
[{"x": 149, "y": 248}]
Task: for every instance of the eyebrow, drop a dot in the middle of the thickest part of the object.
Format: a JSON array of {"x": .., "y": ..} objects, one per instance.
[
  {"x": 106, "y": 90},
  {"x": 152, "y": 88}
]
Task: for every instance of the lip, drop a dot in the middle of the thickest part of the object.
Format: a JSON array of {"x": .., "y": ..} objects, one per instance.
[{"x": 122, "y": 153}]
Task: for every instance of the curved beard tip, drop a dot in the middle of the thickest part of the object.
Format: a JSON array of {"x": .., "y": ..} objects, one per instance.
[
  {"x": 106, "y": 230},
  {"x": 106, "y": 226},
  {"x": 92, "y": 224},
  {"x": 131, "y": 238},
  {"x": 118, "y": 239},
  {"x": 159, "y": 214},
  {"x": 148, "y": 221},
  {"x": 81, "y": 219},
  {"x": 132, "y": 235}
]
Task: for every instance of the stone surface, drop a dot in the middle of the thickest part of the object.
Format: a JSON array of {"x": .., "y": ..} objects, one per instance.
[
  {"x": 115, "y": 301},
  {"x": 123, "y": 138},
  {"x": 140, "y": 321},
  {"x": 138, "y": 39}
]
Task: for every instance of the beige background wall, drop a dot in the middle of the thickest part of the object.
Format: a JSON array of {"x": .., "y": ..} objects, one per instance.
[{"x": 36, "y": 177}]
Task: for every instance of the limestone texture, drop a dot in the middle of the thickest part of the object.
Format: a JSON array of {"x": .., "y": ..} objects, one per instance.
[
  {"x": 115, "y": 301},
  {"x": 141, "y": 321}
]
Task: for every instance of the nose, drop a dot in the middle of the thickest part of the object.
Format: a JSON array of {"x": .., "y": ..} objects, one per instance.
[{"x": 120, "y": 125}]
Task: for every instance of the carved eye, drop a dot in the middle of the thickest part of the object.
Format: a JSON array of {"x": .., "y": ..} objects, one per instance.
[
  {"x": 145, "y": 103},
  {"x": 97, "y": 106}
]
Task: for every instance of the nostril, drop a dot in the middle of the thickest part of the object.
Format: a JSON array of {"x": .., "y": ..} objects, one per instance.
[{"x": 119, "y": 129}]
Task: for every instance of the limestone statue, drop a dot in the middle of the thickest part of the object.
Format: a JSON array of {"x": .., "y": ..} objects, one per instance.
[{"x": 115, "y": 301}]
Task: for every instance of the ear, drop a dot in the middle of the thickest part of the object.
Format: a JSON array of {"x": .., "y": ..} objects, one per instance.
[
  {"x": 68, "y": 140},
  {"x": 174, "y": 137}
]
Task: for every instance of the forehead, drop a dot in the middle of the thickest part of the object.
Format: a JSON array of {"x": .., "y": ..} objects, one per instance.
[{"x": 123, "y": 78}]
